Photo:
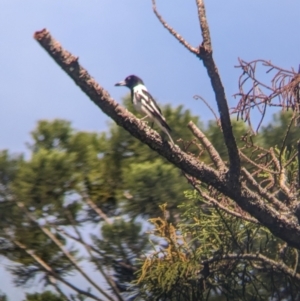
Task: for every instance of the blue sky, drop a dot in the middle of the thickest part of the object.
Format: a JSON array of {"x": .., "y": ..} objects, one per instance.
[{"x": 116, "y": 38}]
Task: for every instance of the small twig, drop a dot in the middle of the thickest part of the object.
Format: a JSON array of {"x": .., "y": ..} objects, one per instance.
[
  {"x": 263, "y": 114},
  {"x": 263, "y": 192},
  {"x": 285, "y": 138},
  {"x": 210, "y": 108},
  {"x": 280, "y": 93},
  {"x": 282, "y": 176},
  {"x": 177, "y": 36},
  {"x": 227, "y": 210},
  {"x": 260, "y": 167},
  {"x": 290, "y": 160},
  {"x": 298, "y": 155},
  {"x": 217, "y": 204},
  {"x": 214, "y": 155},
  {"x": 296, "y": 261},
  {"x": 280, "y": 267}
]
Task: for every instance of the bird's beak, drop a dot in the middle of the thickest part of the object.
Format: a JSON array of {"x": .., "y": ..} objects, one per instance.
[{"x": 121, "y": 83}]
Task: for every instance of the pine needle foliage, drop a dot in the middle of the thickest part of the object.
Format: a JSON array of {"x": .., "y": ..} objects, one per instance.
[
  {"x": 212, "y": 255},
  {"x": 169, "y": 270}
]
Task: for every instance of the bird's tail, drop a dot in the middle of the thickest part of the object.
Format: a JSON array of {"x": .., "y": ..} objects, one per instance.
[
  {"x": 165, "y": 128},
  {"x": 171, "y": 140}
]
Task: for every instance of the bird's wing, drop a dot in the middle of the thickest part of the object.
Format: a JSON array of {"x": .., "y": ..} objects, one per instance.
[
  {"x": 151, "y": 102},
  {"x": 151, "y": 106}
]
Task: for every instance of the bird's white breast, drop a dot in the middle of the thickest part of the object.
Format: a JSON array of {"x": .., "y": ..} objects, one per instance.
[{"x": 138, "y": 90}]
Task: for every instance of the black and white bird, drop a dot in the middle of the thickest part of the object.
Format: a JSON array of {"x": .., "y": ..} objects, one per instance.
[{"x": 145, "y": 103}]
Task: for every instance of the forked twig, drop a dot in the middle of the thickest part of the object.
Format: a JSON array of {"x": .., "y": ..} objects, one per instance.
[
  {"x": 205, "y": 54},
  {"x": 172, "y": 31},
  {"x": 255, "y": 93}
]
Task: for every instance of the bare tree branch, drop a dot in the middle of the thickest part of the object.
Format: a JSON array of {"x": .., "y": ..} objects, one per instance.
[
  {"x": 210, "y": 108},
  {"x": 258, "y": 166},
  {"x": 172, "y": 31},
  {"x": 248, "y": 200},
  {"x": 214, "y": 155},
  {"x": 205, "y": 54},
  {"x": 226, "y": 209},
  {"x": 217, "y": 204},
  {"x": 263, "y": 192},
  {"x": 282, "y": 176},
  {"x": 204, "y": 25},
  {"x": 296, "y": 262}
]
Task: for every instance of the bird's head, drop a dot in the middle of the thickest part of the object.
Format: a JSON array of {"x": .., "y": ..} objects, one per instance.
[{"x": 130, "y": 81}]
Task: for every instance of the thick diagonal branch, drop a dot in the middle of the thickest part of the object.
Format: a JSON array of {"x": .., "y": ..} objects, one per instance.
[{"x": 249, "y": 201}]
